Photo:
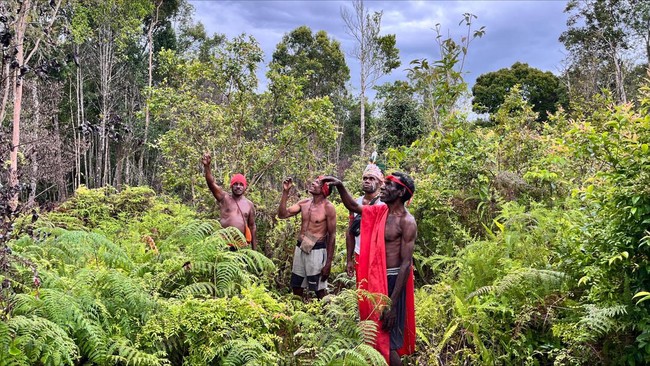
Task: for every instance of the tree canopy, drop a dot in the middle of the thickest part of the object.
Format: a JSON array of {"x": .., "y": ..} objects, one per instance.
[
  {"x": 315, "y": 57},
  {"x": 543, "y": 90}
]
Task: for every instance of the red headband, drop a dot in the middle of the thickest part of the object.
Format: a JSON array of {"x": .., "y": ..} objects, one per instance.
[
  {"x": 238, "y": 178},
  {"x": 394, "y": 179},
  {"x": 325, "y": 188}
]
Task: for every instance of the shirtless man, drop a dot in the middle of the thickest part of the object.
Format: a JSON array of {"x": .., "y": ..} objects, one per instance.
[
  {"x": 311, "y": 266},
  {"x": 395, "y": 246},
  {"x": 235, "y": 209},
  {"x": 372, "y": 180}
]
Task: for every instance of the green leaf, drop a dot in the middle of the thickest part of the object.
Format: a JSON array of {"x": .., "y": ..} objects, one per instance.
[{"x": 645, "y": 295}]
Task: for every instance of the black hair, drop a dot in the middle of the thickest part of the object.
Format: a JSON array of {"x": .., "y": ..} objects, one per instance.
[{"x": 408, "y": 182}]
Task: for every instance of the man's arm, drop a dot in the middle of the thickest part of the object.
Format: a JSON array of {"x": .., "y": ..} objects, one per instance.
[
  {"x": 217, "y": 192},
  {"x": 330, "y": 214},
  {"x": 409, "y": 233},
  {"x": 349, "y": 248},
  {"x": 283, "y": 212},
  {"x": 350, "y": 203},
  {"x": 253, "y": 227}
]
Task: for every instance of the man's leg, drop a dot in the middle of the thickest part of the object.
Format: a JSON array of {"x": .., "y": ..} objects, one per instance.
[
  {"x": 395, "y": 360},
  {"x": 321, "y": 293},
  {"x": 298, "y": 274}
]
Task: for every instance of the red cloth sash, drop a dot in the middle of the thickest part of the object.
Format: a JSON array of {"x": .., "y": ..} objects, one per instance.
[{"x": 371, "y": 277}]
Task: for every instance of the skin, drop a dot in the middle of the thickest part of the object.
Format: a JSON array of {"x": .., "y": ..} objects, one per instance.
[
  {"x": 320, "y": 223},
  {"x": 371, "y": 189},
  {"x": 229, "y": 211},
  {"x": 400, "y": 235}
]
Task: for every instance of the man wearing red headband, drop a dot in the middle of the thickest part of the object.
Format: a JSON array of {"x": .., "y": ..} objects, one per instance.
[
  {"x": 235, "y": 209},
  {"x": 312, "y": 257},
  {"x": 385, "y": 266}
]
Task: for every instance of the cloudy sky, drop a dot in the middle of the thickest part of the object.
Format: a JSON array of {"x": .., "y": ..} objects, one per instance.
[{"x": 517, "y": 30}]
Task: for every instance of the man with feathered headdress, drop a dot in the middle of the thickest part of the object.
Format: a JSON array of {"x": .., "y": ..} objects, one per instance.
[{"x": 372, "y": 179}]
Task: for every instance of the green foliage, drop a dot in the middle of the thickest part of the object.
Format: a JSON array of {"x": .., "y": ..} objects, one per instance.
[
  {"x": 401, "y": 122},
  {"x": 315, "y": 57},
  {"x": 542, "y": 90},
  {"x": 440, "y": 84}
]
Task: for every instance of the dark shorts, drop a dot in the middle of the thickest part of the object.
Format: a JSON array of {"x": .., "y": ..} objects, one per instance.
[{"x": 397, "y": 333}]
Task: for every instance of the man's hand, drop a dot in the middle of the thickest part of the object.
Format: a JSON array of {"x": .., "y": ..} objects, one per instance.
[
  {"x": 287, "y": 184},
  {"x": 389, "y": 318},
  {"x": 350, "y": 268},
  {"x": 206, "y": 159},
  {"x": 331, "y": 181},
  {"x": 325, "y": 272}
]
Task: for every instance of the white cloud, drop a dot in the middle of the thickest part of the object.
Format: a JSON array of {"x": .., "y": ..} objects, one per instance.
[{"x": 525, "y": 31}]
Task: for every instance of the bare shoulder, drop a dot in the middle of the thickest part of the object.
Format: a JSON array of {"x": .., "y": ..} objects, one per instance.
[
  {"x": 329, "y": 206},
  {"x": 303, "y": 202},
  {"x": 408, "y": 221}
]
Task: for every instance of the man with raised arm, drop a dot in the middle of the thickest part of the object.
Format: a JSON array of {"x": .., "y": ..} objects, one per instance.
[
  {"x": 372, "y": 180},
  {"x": 312, "y": 257},
  {"x": 385, "y": 267},
  {"x": 235, "y": 209}
]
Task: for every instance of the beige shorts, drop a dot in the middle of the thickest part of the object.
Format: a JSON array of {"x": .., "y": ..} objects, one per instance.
[{"x": 306, "y": 269}]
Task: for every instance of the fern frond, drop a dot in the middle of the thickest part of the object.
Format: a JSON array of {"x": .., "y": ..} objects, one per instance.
[
  {"x": 194, "y": 232},
  {"x": 43, "y": 340},
  {"x": 122, "y": 352},
  {"x": 602, "y": 320},
  {"x": 245, "y": 352},
  {"x": 254, "y": 261},
  {"x": 198, "y": 289}
]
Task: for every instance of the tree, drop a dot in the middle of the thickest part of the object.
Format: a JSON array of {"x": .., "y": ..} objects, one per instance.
[
  {"x": 30, "y": 16},
  {"x": 601, "y": 38},
  {"x": 377, "y": 55},
  {"x": 315, "y": 56},
  {"x": 401, "y": 122},
  {"x": 440, "y": 84},
  {"x": 543, "y": 90}
]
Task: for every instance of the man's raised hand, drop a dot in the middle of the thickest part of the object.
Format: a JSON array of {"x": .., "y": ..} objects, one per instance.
[
  {"x": 206, "y": 159},
  {"x": 287, "y": 184}
]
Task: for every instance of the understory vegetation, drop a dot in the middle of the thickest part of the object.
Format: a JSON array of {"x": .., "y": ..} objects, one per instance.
[{"x": 532, "y": 249}]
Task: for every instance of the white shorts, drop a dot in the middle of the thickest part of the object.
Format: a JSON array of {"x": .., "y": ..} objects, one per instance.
[{"x": 306, "y": 269}]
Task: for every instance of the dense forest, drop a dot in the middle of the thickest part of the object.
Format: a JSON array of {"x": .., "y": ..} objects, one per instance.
[{"x": 533, "y": 211}]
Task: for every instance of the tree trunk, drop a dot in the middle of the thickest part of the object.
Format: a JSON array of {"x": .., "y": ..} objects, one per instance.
[
  {"x": 18, "y": 98},
  {"x": 6, "y": 76},
  {"x": 141, "y": 175}
]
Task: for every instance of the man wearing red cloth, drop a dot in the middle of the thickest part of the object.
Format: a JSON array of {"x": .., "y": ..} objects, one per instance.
[
  {"x": 235, "y": 209},
  {"x": 388, "y": 235}
]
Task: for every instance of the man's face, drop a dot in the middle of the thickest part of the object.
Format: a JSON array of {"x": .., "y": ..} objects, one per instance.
[
  {"x": 315, "y": 186},
  {"x": 390, "y": 191},
  {"x": 238, "y": 189},
  {"x": 370, "y": 184}
]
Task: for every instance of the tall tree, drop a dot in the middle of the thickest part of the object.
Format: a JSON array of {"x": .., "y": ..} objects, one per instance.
[
  {"x": 39, "y": 18},
  {"x": 315, "y": 56},
  {"x": 106, "y": 29},
  {"x": 377, "y": 55},
  {"x": 543, "y": 90},
  {"x": 601, "y": 38}
]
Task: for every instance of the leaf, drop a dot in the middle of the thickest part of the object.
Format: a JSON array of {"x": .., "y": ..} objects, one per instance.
[{"x": 645, "y": 295}]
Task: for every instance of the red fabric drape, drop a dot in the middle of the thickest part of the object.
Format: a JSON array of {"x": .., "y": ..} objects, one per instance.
[{"x": 371, "y": 277}]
